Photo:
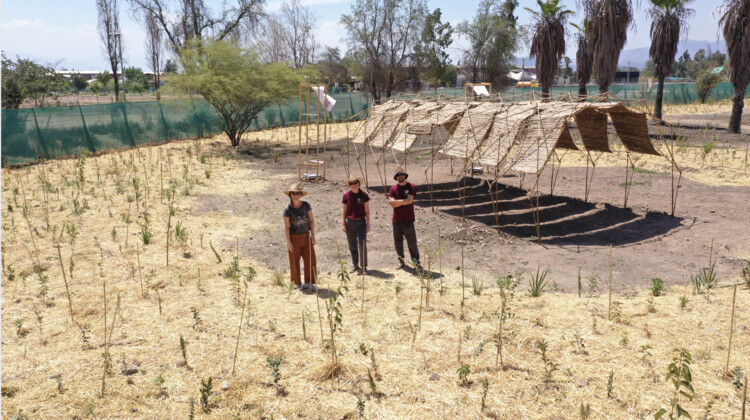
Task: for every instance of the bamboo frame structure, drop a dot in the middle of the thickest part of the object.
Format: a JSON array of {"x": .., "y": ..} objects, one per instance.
[
  {"x": 303, "y": 126},
  {"x": 515, "y": 133}
]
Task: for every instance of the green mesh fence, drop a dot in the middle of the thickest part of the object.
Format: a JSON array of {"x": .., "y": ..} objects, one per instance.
[
  {"x": 674, "y": 93},
  {"x": 45, "y": 133}
]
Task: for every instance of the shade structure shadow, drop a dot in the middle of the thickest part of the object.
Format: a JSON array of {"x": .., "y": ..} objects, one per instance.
[
  {"x": 563, "y": 220},
  {"x": 376, "y": 274}
]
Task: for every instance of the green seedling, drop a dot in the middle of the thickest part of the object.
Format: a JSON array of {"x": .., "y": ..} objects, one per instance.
[
  {"x": 463, "y": 374},
  {"x": 657, "y": 286},
  {"x": 205, "y": 390},
  {"x": 678, "y": 372},
  {"x": 549, "y": 366},
  {"x": 538, "y": 282}
]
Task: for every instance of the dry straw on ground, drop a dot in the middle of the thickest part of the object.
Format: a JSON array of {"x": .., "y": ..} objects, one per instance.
[{"x": 414, "y": 371}]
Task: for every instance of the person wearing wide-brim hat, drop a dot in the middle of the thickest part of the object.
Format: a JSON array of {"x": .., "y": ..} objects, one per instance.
[
  {"x": 356, "y": 222},
  {"x": 401, "y": 198},
  {"x": 299, "y": 227}
]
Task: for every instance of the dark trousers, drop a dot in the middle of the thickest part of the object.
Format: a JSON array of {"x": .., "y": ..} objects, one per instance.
[
  {"x": 356, "y": 235},
  {"x": 406, "y": 230},
  {"x": 302, "y": 248}
]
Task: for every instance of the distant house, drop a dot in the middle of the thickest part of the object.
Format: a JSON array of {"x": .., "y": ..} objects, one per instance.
[
  {"x": 89, "y": 75},
  {"x": 627, "y": 77}
]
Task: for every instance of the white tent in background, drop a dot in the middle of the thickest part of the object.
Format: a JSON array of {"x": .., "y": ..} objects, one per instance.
[{"x": 521, "y": 75}]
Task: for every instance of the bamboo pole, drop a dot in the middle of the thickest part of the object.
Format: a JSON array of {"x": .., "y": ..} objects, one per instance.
[
  {"x": 65, "y": 279},
  {"x": 239, "y": 330},
  {"x": 609, "y": 307},
  {"x": 731, "y": 331},
  {"x": 140, "y": 274}
]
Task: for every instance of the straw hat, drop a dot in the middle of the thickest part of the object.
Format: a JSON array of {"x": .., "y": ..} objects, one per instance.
[
  {"x": 400, "y": 170},
  {"x": 355, "y": 178},
  {"x": 295, "y": 187}
]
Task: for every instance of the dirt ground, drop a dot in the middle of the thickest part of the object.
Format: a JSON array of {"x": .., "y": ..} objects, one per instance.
[
  {"x": 575, "y": 234},
  {"x": 103, "y": 341}
]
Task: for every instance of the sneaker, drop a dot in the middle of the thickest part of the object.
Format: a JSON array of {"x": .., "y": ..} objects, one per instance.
[
  {"x": 400, "y": 265},
  {"x": 355, "y": 269},
  {"x": 306, "y": 286},
  {"x": 299, "y": 287}
]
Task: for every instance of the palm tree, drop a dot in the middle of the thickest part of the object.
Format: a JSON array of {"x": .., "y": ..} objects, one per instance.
[
  {"x": 548, "y": 42},
  {"x": 606, "y": 33},
  {"x": 735, "y": 25},
  {"x": 583, "y": 60},
  {"x": 668, "y": 23}
]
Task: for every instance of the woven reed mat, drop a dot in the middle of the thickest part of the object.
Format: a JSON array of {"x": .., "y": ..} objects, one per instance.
[
  {"x": 383, "y": 135},
  {"x": 592, "y": 125},
  {"x": 632, "y": 128},
  {"x": 565, "y": 141},
  {"x": 372, "y": 123},
  {"x": 417, "y": 123},
  {"x": 472, "y": 130},
  {"x": 504, "y": 131},
  {"x": 540, "y": 136}
]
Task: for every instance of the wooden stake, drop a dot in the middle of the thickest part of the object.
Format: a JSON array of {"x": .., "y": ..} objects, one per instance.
[
  {"x": 169, "y": 225},
  {"x": 65, "y": 279},
  {"x": 161, "y": 181},
  {"x": 609, "y": 308},
  {"x": 731, "y": 330},
  {"x": 140, "y": 274},
  {"x": 239, "y": 330},
  {"x": 463, "y": 283},
  {"x": 744, "y": 399}
]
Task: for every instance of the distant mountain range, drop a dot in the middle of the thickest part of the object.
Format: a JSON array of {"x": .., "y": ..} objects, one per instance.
[{"x": 639, "y": 56}]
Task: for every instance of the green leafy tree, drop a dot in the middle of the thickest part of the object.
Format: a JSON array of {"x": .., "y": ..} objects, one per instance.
[
  {"x": 432, "y": 46},
  {"x": 493, "y": 39},
  {"x": 735, "y": 25},
  {"x": 606, "y": 34},
  {"x": 548, "y": 41},
  {"x": 135, "y": 80},
  {"x": 234, "y": 82},
  {"x": 706, "y": 81},
  {"x": 332, "y": 69},
  {"x": 170, "y": 66},
  {"x": 78, "y": 82},
  {"x": 382, "y": 35},
  {"x": 96, "y": 87},
  {"x": 24, "y": 79},
  {"x": 104, "y": 77},
  {"x": 668, "y": 23}
]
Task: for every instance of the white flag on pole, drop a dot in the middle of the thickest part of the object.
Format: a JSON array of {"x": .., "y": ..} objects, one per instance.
[
  {"x": 481, "y": 91},
  {"x": 325, "y": 100}
]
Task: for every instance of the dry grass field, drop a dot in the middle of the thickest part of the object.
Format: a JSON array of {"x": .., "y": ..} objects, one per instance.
[{"x": 95, "y": 322}]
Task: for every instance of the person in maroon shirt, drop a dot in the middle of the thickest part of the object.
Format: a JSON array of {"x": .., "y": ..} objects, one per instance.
[
  {"x": 401, "y": 198},
  {"x": 356, "y": 223}
]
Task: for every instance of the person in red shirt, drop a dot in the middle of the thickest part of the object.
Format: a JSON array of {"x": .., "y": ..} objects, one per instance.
[
  {"x": 401, "y": 198},
  {"x": 356, "y": 223}
]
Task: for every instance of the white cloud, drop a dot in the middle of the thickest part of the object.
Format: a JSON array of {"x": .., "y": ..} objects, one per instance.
[{"x": 332, "y": 34}]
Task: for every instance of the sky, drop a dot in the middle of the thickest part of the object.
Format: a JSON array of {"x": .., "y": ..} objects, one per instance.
[{"x": 63, "y": 33}]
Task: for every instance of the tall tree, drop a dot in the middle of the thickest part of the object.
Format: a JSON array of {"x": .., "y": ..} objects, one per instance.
[
  {"x": 548, "y": 41},
  {"x": 493, "y": 39},
  {"x": 110, "y": 37},
  {"x": 299, "y": 23},
  {"x": 382, "y": 34},
  {"x": 735, "y": 25},
  {"x": 583, "y": 60},
  {"x": 154, "y": 47},
  {"x": 269, "y": 41},
  {"x": 234, "y": 82},
  {"x": 184, "y": 20},
  {"x": 668, "y": 23},
  {"x": 24, "y": 79},
  {"x": 332, "y": 69},
  {"x": 607, "y": 32},
  {"x": 431, "y": 50}
]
